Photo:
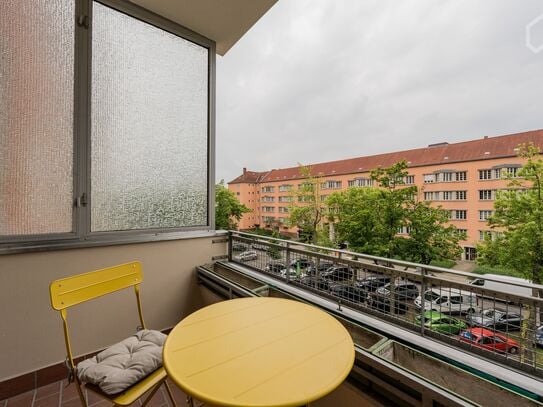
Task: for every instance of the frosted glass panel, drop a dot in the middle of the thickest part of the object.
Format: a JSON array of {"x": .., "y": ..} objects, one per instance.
[
  {"x": 149, "y": 126},
  {"x": 36, "y": 116}
]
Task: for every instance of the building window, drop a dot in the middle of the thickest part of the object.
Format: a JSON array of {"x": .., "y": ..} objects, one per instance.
[
  {"x": 512, "y": 171},
  {"x": 285, "y": 199},
  {"x": 446, "y": 176},
  {"x": 268, "y": 189},
  {"x": 283, "y": 209},
  {"x": 429, "y": 178},
  {"x": 148, "y": 156},
  {"x": 285, "y": 188},
  {"x": 409, "y": 180},
  {"x": 485, "y": 174},
  {"x": 305, "y": 198},
  {"x": 461, "y": 195},
  {"x": 459, "y": 214},
  {"x": 268, "y": 219},
  {"x": 308, "y": 186},
  {"x": 268, "y": 209},
  {"x": 463, "y": 232},
  {"x": 361, "y": 182},
  {"x": 404, "y": 230},
  {"x": 447, "y": 195},
  {"x": 487, "y": 235},
  {"x": 323, "y": 198},
  {"x": 461, "y": 176},
  {"x": 429, "y": 196},
  {"x": 331, "y": 185},
  {"x": 485, "y": 214},
  {"x": 486, "y": 194},
  {"x": 268, "y": 199}
]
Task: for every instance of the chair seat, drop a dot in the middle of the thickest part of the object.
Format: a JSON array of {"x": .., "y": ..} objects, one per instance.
[
  {"x": 133, "y": 393},
  {"x": 122, "y": 365}
]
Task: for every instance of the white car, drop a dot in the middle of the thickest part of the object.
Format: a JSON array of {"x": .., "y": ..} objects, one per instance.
[
  {"x": 448, "y": 300},
  {"x": 246, "y": 256}
]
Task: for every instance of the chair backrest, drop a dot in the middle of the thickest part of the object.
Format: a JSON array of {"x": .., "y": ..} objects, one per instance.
[
  {"x": 70, "y": 291},
  {"x": 74, "y": 290}
]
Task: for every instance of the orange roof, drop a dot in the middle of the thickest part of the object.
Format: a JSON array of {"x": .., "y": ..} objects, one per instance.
[
  {"x": 249, "y": 177},
  {"x": 442, "y": 153}
]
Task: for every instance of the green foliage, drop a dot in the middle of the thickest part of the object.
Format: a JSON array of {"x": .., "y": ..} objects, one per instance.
[
  {"x": 504, "y": 271},
  {"x": 228, "y": 209},
  {"x": 444, "y": 263},
  {"x": 273, "y": 251},
  {"x": 369, "y": 219},
  {"x": 518, "y": 213},
  {"x": 307, "y": 212},
  {"x": 430, "y": 237}
]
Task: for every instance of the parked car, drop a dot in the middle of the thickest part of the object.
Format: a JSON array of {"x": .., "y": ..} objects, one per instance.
[
  {"x": 402, "y": 290},
  {"x": 506, "y": 285},
  {"x": 239, "y": 247},
  {"x": 381, "y": 302},
  {"x": 372, "y": 283},
  {"x": 294, "y": 274},
  {"x": 275, "y": 267},
  {"x": 496, "y": 319},
  {"x": 483, "y": 338},
  {"x": 539, "y": 336},
  {"x": 314, "y": 282},
  {"x": 350, "y": 292},
  {"x": 301, "y": 263},
  {"x": 437, "y": 321},
  {"x": 448, "y": 300},
  {"x": 338, "y": 273},
  {"x": 246, "y": 256},
  {"x": 320, "y": 268},
  {"x": 260, "y": 246}
]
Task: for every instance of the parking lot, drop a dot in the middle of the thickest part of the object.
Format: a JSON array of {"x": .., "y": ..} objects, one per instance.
[{"x": 303, "y": 270}]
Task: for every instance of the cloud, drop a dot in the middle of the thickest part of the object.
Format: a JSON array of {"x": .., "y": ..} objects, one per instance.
[{"x": 315, "y": 81}]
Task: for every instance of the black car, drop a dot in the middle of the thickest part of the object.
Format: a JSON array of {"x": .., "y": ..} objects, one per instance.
[
  {"x": 275, "y": 267},
  {"x": 372, "y": 283},
  {"x": 302, "y": 263},
  {"x": 402, "y": 291},
  {"x": 349, "y": 292},
  {"x": 320, "y": 268},
  {"x": 382, "y": 303},
  {"x": 316, "y": 283},
  {"x": 338, "y": 273}
]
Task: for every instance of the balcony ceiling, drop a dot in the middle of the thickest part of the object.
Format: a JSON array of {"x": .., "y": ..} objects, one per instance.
[{"x": 225, "y": 22}]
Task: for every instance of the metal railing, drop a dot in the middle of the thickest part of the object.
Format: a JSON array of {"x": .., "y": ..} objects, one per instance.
[{"x": 489, "y": 315}]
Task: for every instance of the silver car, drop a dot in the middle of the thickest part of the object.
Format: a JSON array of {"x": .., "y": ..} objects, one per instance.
[{"x": 246, "y": 256}]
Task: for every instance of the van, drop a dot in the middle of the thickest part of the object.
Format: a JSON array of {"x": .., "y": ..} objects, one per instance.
[
  {"x": 448, "y": 301},
  {"x": 506, "y": 285}
]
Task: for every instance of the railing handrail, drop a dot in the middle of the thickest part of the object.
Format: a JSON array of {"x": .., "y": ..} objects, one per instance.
[{"x": 403, "y": 263}]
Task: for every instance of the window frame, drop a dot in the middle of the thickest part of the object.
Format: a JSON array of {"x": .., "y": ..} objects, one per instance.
[{"x": 81, "y": 234}]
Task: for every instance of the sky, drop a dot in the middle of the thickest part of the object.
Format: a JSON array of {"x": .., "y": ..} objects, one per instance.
[{"x": 322, "y": 80}]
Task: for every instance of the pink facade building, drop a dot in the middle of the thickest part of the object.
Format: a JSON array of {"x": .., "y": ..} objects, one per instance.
[{"x": 460, "y": 177}]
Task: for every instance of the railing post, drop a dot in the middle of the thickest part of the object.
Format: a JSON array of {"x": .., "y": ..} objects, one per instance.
[
  {"x": 422, "y": 299},
  {"x": 287, "y": 263},
  {"x": 229, "y": 245}
]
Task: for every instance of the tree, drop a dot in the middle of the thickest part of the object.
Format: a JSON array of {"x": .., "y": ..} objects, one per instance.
[
  {"x": 430, "y": 238},
  {"x": 307, "y": 210},
  {"x": 518, "y": 216},
  {"x": 228, "y": 209},
  {"x": 369, "y": 220}
]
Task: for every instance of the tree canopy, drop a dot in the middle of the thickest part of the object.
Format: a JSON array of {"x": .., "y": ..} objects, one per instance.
[
  {"x": 228, "y": 209},
  {"x": 518, "y": 221}
]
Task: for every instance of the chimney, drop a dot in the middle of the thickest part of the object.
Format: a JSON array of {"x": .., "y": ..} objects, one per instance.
[
  {"x": 486, "y": 137},
  {"x": 244, "y": 170}
]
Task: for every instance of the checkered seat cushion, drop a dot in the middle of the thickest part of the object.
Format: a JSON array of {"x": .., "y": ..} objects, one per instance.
[{"x": 125, "y": 363}]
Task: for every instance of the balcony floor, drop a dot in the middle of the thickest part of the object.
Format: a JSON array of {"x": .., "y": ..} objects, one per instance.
[{"x": 58, "y": 394}]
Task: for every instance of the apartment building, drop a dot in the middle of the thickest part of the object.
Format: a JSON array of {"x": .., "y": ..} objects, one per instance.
[{"x": 460, "y": 177}]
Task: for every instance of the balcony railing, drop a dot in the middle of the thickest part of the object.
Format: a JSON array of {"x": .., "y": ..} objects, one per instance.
[{"x": 490, "y": 316}]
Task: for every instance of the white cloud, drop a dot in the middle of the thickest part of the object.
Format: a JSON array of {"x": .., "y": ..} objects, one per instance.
[{"x": 315, "y": 81}]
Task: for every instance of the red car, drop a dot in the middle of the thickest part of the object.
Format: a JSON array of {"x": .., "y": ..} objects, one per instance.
[{"x": 486, "y": 339}]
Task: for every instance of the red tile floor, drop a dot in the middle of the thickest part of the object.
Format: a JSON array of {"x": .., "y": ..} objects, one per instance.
[{"x": 60, "y": 394}]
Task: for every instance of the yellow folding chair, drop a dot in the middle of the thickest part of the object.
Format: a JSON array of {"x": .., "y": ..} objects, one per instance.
[{"x": 74, "y": 290}]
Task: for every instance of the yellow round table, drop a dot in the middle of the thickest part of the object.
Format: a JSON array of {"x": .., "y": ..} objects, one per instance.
[{"x": 258, "y": 352}]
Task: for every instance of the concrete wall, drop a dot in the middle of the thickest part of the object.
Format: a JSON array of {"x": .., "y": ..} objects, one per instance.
[{"x": 31, "y": 331}]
